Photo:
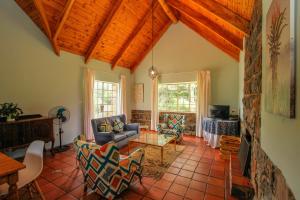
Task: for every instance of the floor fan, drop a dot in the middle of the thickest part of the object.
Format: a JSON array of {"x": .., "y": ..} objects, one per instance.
[{"x": 61, "y": 115}]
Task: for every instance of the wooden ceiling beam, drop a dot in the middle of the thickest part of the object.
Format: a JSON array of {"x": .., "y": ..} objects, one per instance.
[
  {"x": 210, "y": 36},
  {"x": 101, "y": 31},
  {"x": 226, "y": 14},
  {"x": 60, "y": 23},
  {"x": 168, "y": 11},
  {"x": 230, "y": 37},
  {"x": 45, "y": 24},
  {"x": 149, "y": 48},
  {"x": 133, "y": 34}
]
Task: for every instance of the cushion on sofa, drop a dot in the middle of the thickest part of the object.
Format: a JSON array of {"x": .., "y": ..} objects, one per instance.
[
  {"x": 130, "y": 133},
  {"x": 105, "y": 126},
  {"x": 119, "y": 136},
  {"x": 118, "y": 125}
]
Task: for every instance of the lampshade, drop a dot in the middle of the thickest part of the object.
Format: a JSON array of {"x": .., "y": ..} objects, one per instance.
[{"x": 153, "y": 72}]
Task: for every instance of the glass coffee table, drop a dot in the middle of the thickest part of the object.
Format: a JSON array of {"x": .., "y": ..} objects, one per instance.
[{"x": 153, "y": 139}]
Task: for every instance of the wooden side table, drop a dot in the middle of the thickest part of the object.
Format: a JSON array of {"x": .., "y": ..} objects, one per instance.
[{"x": 9, "y": 169}]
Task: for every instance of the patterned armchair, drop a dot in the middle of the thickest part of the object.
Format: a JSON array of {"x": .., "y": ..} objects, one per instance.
[
  {"x": 105, "y": 171},
  {"x": 173, "y": 124}
]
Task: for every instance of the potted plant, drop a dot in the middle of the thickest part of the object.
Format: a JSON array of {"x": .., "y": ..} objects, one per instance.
[{"x": 9, "y": 111}]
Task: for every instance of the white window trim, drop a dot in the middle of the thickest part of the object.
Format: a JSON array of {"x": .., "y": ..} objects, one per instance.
[
  {"x": 117, "y": 97},
  {"x": 178, "y": 111}
]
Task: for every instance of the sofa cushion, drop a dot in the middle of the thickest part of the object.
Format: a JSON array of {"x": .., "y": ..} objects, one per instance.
[
  {"x": 130, "y": 133},
  {"x": 105, "y": 126},
  {"x": 119, "y": 136},
  {"x": 118, "y": 125}
]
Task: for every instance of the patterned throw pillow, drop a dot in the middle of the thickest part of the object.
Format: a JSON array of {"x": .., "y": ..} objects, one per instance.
[
  {"x": 105, "y": 127},
  {"x": 171, "y": 124},
  {"x": 118, "y": 125},
  {"x": 174, "y": 122}
]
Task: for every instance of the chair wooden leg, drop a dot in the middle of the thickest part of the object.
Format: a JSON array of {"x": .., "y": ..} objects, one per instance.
[
  {"x": 85, "y": 189},
  {"x": 140, "y": 175},
  {"x": 29, "y": 190},
  {"x": 38, "y": 189}
]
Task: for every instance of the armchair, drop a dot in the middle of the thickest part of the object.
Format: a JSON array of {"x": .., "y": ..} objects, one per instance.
[
  {"x": 173, "y": 124},
  {"x": 105, "y": 171}
]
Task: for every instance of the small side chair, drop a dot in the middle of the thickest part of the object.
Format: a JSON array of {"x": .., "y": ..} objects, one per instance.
[{"x": 34, "y": 166}]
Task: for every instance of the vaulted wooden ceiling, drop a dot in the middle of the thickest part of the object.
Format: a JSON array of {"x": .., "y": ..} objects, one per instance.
[{"x": 120, "y": 31}]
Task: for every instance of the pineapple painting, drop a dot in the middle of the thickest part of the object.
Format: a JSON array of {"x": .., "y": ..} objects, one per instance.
[{"x": 280, "y": 72}]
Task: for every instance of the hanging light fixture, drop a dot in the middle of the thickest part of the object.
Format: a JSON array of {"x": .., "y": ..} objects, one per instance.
[{"x": 153, "y": 73}]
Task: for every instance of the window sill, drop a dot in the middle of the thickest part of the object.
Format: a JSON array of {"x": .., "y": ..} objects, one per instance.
[{"x": 165, "y": 111}]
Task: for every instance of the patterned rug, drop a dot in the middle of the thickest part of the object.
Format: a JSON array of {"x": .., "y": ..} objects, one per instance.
[{"x": 152, "y": 164}]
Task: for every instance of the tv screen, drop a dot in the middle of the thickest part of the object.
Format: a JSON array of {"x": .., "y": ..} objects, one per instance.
[{"x": 219, "y": 111}]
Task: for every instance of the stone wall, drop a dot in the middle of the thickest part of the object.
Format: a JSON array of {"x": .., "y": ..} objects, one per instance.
[
  {"x": 267, "y": 179},
  {"x": 144, "y": 117}
]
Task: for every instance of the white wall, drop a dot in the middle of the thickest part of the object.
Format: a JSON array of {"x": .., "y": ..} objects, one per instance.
[
  {"x": 280, "y": 136},
  {"x": 179, "y": 54},
  {"x": 35, "y": 78}
]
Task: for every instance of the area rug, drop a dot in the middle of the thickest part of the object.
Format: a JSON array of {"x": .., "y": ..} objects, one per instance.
[{"x": 152, "y": 166}]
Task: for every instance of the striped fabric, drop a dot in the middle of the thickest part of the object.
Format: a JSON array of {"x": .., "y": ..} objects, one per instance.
[{"x": 104, "y": 172}]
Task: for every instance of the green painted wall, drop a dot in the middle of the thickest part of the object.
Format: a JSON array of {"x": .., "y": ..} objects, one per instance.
[
  {"x": 280, "y": 137},
  {"x": 35, "y": 78},
  {"x": 179, "y": 54}
]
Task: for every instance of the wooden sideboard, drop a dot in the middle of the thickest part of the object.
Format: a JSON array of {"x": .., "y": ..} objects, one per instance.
[{"x": 17, "y": 134}]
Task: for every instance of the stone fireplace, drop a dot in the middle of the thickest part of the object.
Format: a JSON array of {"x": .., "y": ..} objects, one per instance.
[
  {"x": 266, "y": 178},
  {"x": 245, "y": 154}
]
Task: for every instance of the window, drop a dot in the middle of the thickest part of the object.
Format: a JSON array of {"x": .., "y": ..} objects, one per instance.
[
  {"x": 105, "y": 98},
  {"x": 177, "y": 97}
]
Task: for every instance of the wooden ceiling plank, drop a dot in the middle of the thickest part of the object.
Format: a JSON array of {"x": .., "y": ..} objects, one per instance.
[
  {"x": 101, "y": 32},
  {"x": 61, "y": 22},
  {"x": 226, "y": 14},
  {"x": 168, "y": 11},
  {"x": 228, "y": 49},
  {"x": 230, "y": 37},
  {"x": 132, "y": 36},
  {"x": 40, "y": 8},
  {"x": 149, "y": 48}
]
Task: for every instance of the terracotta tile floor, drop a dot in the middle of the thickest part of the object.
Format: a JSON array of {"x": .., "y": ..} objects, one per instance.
[{"x": 198, "y": 173}]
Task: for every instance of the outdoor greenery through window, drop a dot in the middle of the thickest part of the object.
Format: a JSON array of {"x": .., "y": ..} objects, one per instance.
[
  {"x": 105, "y": 98},
  {"x": 177, "y": 97}
]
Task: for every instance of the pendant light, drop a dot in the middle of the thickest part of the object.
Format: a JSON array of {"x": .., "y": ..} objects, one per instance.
[{"x": 153, "y": 73}]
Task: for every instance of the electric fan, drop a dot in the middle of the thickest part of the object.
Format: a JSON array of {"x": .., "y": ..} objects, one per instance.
[{"x": 61, "y": 115}]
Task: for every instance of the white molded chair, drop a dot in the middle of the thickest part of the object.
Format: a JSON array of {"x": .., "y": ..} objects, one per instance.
[{"x": 34, "y": 165}]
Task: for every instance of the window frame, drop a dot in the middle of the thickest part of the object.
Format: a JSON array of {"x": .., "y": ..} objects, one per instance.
[
  {"x": 190, "y": 104},
  {"x": 115, "y": 97}
]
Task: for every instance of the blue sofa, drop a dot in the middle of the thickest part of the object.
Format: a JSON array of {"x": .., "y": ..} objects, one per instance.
[{"x": 130, "y": 131}]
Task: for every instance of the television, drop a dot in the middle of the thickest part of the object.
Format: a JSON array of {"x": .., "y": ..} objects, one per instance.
[{"x": 219, "y": 111}]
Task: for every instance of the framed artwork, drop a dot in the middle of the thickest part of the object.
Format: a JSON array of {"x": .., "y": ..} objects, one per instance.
[
  {"x": 139, "y": 93},
  {"x": 280, "y": 72}
]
